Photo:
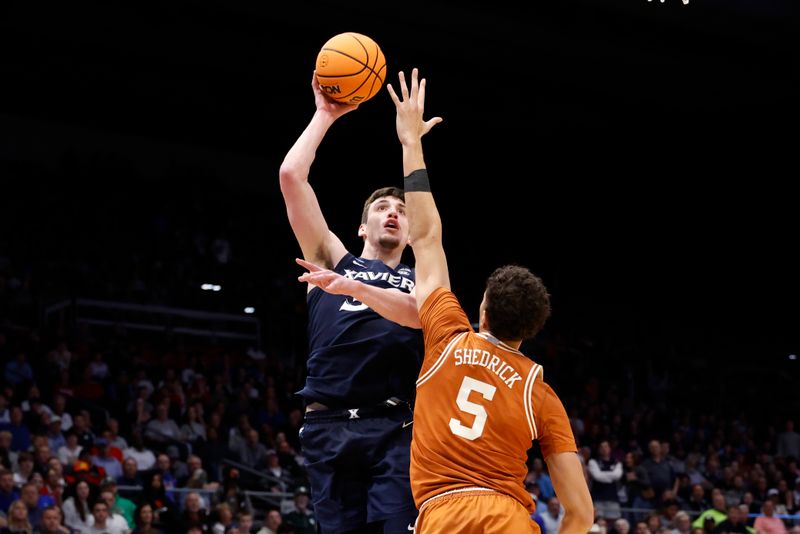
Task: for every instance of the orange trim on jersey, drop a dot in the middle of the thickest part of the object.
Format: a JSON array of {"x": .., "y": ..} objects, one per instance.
[{"x": 442, "y": 358}]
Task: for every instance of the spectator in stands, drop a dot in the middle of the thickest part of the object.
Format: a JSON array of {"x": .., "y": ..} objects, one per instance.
[
  {"x": 539, "y": 476},
  {"x": 102, "y": 522},
  {"x": 5, "y": 414},
  {"x": 193, "y": 428},
  {"x": 769, "y": 523},
  {"x": 224, "y": 518},
  {"x": 8, "y": 490},
  {"x": 301, "y": 517},
  {"x": 119, "y": 504},
  {"x": 194, "y": 514},
  {"x": 230, "y": 492},
  {"x": 55, "y": 438},
  {"x": 164, "y": 468},
  {"x": 251, "y": 451},
  {"x": 36, "y": 503},
  {"x": 130, "y": 477},
  {"x": 8, "y": 457},
  {"x": 734, "y": 523},
  {"x": 145, "y": 458},
  {"x": 51, "y": 522},
  {"x": 24, "y": 468},
  {"x": 682, "y": 524},
  {"x": 18, "y": 370},
  {"x": 20, "y": 434},
  {"x": 659, "y": 471},
  {"x": 164, "y": 507},
  {"x": 196, "y": 476},
  {"x": 604, "y": 473},
  {"x": 553, "y": 515},
  {"x": 81, "y": 427},
  {"x": 60, "y": 409},
  {"x": 162, "y": 429},
  {"x": 18, "y": 521},
  {"x": 77, "y": 511},
  {"x": 621, "y": 526},
  {"x": 245, "y": 523},
  {"x": 112, "y": 466},
  {"x": 71, "y": 450},
  {"x": 144, "y": 521},
  {"x": 717, "y": 512},
  {"x": 272, "y": 523},
  {"x": 112, "y": 435}
]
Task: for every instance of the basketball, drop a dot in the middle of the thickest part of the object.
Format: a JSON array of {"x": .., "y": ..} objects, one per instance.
[{"x": 351, "y": 68}]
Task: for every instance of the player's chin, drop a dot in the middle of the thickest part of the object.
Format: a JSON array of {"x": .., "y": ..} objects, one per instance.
[{"x": 389, "y": 241}]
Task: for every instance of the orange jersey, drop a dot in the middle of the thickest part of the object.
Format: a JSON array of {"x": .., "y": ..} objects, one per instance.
[{"x": 480, "y": 403}]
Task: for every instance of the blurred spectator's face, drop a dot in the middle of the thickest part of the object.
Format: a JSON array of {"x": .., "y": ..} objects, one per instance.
[
  {"x": 108, "y": 498},
  {"x": 273, "y": 520},
  {"x": 769, "y": 507},
  {"x": 698, "y": 492},
  {"x": 16, "y": 415},
  {"x": 100, "y": 512},
  {"x": 718, "y": 500},
  {"x": 684, "y": 523},
  {"x": 130, "y": 468},
  {"x": 554, "y": 507},
  {"x": 641, "y": 528},
  {"x": 51, "y": 520},
  {"x": 193, "y": 502},
  {"x": 225, "y": 515},
  {"x": 622, "y": 526},
  {"x": 19, "y": 513},
  {"x": 83, "y": 490},
  {"x": 301, "y": 502},
  {"x": 194, "y": 463},
  {"x": 245, "y": 522},
  {"x": 604, "y": 450},
  {"x": 655, "y": 449},
  {"x": 5, "y": 440},
  {"x": 146, "y": 514},
  {"x": 7, "y": 482},
  {"x": 30, "y": 496},
  {"x": 163, "y": 462}
]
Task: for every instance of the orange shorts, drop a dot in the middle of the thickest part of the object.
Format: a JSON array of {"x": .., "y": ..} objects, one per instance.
[{"x": 478, "y": 512}]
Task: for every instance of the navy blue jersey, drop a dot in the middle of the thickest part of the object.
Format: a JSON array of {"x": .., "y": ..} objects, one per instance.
[{"x": 356, "y": 357}]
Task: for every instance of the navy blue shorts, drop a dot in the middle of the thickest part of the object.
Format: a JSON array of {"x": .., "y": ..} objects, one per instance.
[{"x": 358, "y": 463}]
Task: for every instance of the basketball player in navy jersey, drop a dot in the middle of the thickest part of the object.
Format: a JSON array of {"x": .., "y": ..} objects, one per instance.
[{"x": 365, "y": 350}]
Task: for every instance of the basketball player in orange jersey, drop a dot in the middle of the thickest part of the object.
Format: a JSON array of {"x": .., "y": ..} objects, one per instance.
[{"x": 480, "y": 402}]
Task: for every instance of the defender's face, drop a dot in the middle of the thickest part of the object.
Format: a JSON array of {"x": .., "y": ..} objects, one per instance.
[{"x": 386, "y": 226}]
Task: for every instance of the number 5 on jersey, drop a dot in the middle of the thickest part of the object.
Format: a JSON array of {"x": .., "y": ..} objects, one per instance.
[{"x": 467, "y": 386}]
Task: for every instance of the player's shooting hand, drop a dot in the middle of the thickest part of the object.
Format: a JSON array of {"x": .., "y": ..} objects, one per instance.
[
  {"x": 325, "y": 279},
  {"x": 410, "y": 124},
  {"x": 328, "y": 105}
]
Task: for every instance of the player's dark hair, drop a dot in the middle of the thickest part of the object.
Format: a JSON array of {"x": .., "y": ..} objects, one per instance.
[
  {"x": 517, "y": 303},
  {"x": 380, "y": 193}
]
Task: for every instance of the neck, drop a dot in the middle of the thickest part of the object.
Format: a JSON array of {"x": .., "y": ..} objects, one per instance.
[
  {"x": 513, "y": 344},
  {"x": 389, "y": 257}
]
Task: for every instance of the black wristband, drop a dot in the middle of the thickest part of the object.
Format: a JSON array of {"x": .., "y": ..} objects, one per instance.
[{"x": 417, "y": 181}]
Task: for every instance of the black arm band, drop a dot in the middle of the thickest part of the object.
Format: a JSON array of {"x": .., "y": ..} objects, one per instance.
[{"x": 417, "y": 181}]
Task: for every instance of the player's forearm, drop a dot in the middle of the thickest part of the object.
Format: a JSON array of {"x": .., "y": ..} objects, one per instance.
[
  {"x": 298, "y": 160},
  {"x": 424, "y": 222},
  {"x": 390, "y": 304}
]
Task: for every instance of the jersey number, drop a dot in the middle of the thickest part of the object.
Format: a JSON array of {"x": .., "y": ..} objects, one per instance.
[{"x": 467, "y": 386}]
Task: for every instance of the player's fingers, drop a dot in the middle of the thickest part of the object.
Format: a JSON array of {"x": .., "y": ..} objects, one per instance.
[
  {"x": 415, "y": 84},
  {"x": 392, "y": 94},
  {"x": 308, "y": 265},
  {"x": 403, "y": 86}
]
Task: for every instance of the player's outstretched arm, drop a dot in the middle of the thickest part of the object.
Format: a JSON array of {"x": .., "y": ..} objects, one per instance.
[
  {"x": 305, "y": 216},
  {"x": 425, "y": 224},
  {"x": 391, "y": 304},
  {"x": 566, "y": 472}
]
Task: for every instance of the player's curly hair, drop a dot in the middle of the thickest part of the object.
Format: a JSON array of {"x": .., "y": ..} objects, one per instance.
[
  {"x": 380, "y": 193},
  {"x": 517, "y": 303}
]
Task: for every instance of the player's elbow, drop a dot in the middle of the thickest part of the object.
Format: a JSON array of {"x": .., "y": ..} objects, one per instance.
[{"x": 290, "y": 176}]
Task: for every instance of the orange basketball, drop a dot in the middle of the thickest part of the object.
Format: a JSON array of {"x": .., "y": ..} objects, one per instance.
[{"x": 350, "y": 68}]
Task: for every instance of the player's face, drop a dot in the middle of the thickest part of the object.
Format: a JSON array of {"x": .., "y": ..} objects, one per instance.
[{"x": 386, "y": 224}]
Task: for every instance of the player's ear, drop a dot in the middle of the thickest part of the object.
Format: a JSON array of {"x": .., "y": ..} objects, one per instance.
[{"x": 362, "y": 230}]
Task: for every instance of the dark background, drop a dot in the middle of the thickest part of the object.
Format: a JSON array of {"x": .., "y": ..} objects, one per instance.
[{"x": 640, "y": 156}]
